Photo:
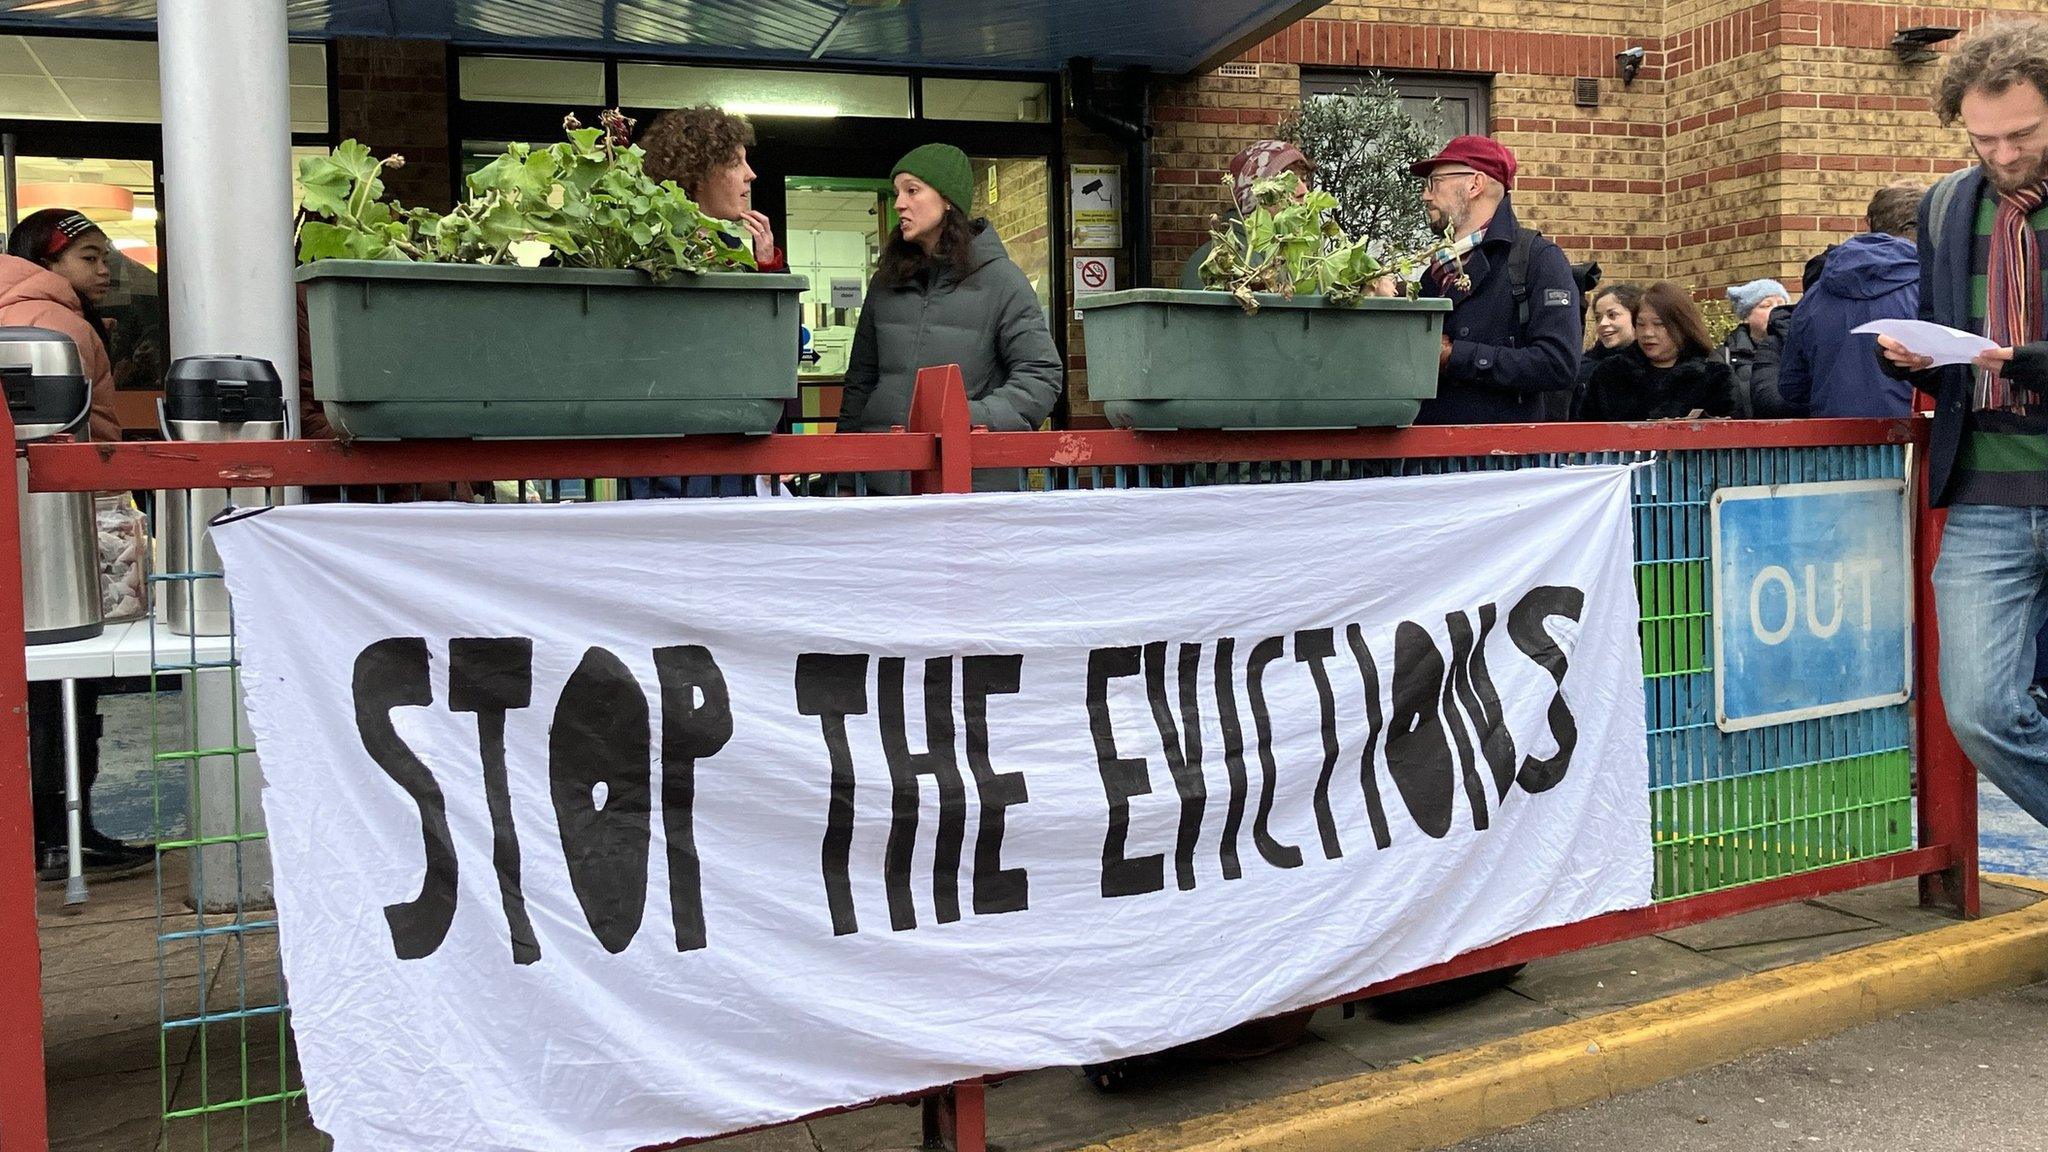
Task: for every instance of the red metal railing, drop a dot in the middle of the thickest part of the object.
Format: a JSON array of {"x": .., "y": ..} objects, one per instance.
[{"x": 941, "y": 451}]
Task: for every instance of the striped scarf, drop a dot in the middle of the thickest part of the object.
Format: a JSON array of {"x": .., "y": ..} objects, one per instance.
[{"x": 2013, "y": 299}]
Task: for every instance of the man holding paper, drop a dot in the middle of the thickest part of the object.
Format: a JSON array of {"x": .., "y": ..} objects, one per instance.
[{"x": 1983, "y": 235}]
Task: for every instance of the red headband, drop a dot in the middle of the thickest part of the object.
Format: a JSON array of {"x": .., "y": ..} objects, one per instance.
[{"x": 68, "y": 229}]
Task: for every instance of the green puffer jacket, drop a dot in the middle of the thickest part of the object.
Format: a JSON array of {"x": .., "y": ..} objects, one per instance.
[{"x": 988, "y": 322}]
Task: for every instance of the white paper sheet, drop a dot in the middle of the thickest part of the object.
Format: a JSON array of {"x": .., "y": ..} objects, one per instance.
[{"x": 1947, "y": 345}]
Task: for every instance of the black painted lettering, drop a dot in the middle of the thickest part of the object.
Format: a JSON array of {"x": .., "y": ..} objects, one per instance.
[
  {"x": 1461, "y": 650},
  {"x": 1122, "y": 778},
  {"x": 1180, "y": 739},
  {"x": 938, "y": 761},
  {"x": 491, "y": 677},
  {"x": 1526, "y": 628},
  {"x": 996, "y": 888},
  {"x": 1312, "y": 648},
  {"x": 833, "y": 687},
  {"x": 1418, "y": 751},
  {"x": 1375, "y": 719},
  {"x": 393, "y": 674},
  {"x": 1277, "y": 854},
  {"x": 600, "y": 775},
  {"x": 1233, "y": 754},
  {"x": 696, "y": 722},
  {"x": 1482, "y": 702}
]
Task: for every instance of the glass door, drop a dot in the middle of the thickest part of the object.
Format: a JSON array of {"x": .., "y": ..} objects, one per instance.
[
  {"x": 833, "y": 232},
  {"x": 119, "y": 195}
]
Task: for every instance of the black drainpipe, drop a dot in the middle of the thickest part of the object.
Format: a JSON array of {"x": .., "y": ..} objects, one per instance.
[{"x": 1137, "y": 140}]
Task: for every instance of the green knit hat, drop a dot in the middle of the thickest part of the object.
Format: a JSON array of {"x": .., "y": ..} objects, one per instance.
[{"x": 945, "y": 168}]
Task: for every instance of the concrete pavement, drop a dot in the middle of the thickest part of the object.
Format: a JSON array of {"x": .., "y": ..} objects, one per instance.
[{"x": 1969, "y": 1075}]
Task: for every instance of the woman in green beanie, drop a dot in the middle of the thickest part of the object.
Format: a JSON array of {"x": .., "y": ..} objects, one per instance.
[{"x": 946, "y": 292}]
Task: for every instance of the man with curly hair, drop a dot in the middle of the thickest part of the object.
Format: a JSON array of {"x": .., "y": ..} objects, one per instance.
[
  {"x": 1983, "y": 237},
  {"x": 704, "y": 150}
]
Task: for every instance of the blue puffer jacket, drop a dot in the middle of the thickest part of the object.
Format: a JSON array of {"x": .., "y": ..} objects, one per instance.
[{"x": 1826, "y": 371}]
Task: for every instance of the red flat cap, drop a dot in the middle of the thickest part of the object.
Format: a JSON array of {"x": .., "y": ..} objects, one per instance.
[{"x": 1479, "y": 153}]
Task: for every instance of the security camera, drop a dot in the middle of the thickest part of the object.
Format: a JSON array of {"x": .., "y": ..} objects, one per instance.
[{"x": 1631, "y": 61}]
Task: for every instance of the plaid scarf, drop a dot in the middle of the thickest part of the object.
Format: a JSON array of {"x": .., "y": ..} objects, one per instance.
[{"x": 2012, "y": 313}]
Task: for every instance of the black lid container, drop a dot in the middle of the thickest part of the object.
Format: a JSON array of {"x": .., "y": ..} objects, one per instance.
[
  {"x": 223, "y": 390},
  {"x": 46, "y": 389}
]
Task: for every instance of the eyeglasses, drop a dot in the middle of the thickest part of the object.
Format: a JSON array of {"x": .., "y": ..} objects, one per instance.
[{"x": 1436, "y": 176}]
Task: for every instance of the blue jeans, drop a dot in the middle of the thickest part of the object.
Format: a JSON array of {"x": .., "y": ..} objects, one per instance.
[{"x": 1991, "y": 590}]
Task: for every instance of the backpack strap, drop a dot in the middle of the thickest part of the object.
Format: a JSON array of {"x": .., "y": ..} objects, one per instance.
[
  {"x": 1939, "y": 199},
  {"x": 1518, "y": 271}
]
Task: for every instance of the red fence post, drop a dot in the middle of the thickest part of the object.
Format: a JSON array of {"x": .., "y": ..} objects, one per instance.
[
  {"x": 1948, "y": 781},
  {"x": 956, "y": 1118},
  {"x": 24, "y": 1114},
  {"x": 938, "y": 404}
]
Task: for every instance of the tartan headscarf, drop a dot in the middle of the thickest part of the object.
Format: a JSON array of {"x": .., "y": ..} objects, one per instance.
[{"x": 2012, "y": 303}]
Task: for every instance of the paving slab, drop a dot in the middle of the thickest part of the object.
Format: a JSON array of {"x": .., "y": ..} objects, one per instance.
[
  {"x": 1803, "y": 921},
  {"x": 1618, "y": 975},
  {"x": 1382, "y": 1040}
]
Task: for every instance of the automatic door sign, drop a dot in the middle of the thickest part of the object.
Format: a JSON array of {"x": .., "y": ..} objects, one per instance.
[{"x": 1812, "y": 601}]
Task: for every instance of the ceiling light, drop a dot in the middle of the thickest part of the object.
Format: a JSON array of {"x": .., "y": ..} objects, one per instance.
[
  {"x": 145, "y": 215},
  {"x": 778, "y": 108},
  {"x": 126, "y": 243},
  {"x": 99, "y": 202}
]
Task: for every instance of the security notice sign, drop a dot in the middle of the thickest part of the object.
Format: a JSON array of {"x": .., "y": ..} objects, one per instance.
[
  {"x": 1813, "y": 606},
  {"x": 1097, "y": 201},
  {"x": 662, "y": 851}
]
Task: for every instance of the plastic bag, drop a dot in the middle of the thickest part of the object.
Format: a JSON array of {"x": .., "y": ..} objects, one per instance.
[{"x": 124, "y": 559}]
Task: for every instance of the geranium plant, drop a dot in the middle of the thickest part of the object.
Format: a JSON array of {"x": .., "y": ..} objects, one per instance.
[
  {"x": 585, "y": 202},
  {"x": 1291, "y": 244}
]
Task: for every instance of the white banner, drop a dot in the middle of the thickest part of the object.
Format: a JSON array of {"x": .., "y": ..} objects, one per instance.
[{"x": 602, "y": 826}]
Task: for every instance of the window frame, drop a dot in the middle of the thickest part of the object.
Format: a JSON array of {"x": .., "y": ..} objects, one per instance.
[{"x": 1474, "y": 87}]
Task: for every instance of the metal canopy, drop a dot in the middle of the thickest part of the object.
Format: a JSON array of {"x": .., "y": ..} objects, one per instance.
[{"x": 1171, "y": 36}]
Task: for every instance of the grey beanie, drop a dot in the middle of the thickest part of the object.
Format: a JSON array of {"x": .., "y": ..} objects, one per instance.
[{"x": 1743, "y": 298}]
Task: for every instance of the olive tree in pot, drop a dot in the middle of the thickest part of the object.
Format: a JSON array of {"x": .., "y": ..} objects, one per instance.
[
  {"x": 1308, "y": 318},
  {"x": 568, "y": 294},
  {"x": 1363, "y": 142}
]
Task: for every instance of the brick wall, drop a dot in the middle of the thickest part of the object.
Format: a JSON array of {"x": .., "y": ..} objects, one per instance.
[
  {"x": 1753, "y": 136},
  {"x": 1021, "y": 215},
  {"x": 393, "y": 96}
]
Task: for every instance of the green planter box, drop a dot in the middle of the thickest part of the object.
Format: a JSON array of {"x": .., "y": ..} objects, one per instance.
[
  {"x": 1165, "y": 358},
  {"x": 475, "y": 352}
]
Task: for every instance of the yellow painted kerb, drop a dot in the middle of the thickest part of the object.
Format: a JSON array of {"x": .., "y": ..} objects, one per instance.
[{"x": 1508, "y": 1082}]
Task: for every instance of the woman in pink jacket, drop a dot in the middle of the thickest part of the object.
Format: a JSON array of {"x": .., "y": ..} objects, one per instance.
[{"x": 54, "y": 275}]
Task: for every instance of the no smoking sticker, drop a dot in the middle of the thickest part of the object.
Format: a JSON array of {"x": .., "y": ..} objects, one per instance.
[{"x": 1093, "y": 274}]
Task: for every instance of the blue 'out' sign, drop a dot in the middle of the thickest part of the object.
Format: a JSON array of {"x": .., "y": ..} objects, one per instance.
[{"x": 1812, "y": 600}]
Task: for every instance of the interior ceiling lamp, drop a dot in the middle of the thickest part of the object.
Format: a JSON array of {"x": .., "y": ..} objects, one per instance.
[
  {"x": 98, "y": 201},
  {"x": 771, "y": 108},
  {"x": 1916, "y": 45}
]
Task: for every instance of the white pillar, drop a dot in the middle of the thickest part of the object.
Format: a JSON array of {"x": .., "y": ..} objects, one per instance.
[
  {"x": 228, "y": 225},
  {"x": 227, "y": 182}
]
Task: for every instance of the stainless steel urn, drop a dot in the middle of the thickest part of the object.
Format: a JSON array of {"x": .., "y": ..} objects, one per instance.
[
  {"x": 48, "y": 396},
  {"x": 210, "y": 398}
]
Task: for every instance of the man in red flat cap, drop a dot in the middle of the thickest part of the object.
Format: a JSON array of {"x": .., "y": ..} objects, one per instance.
[{"x": 1515, "y": 328}]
